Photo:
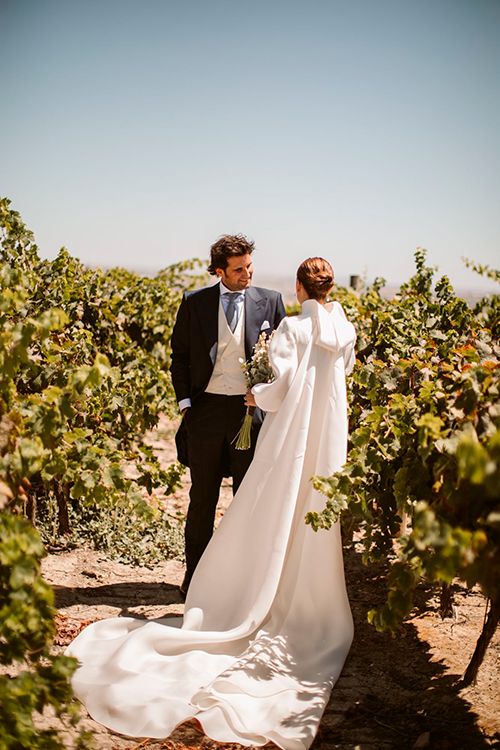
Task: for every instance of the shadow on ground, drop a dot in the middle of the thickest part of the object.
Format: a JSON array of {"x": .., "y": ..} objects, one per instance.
[
  {"x": 125, "y": 596},
  {"x": 391, "y": 695}
]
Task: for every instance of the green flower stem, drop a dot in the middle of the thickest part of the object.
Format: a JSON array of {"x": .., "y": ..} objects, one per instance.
[{"x": 243, "y": 438}]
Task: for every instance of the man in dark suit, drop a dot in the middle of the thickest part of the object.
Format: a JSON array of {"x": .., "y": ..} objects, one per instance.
[{"x": 216, "y": 328}]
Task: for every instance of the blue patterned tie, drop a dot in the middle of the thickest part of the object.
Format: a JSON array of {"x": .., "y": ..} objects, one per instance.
[{"x": 232, "y": 309}]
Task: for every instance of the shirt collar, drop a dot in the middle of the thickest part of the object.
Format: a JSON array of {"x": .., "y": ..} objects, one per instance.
[{"x": 225, "y": 290}]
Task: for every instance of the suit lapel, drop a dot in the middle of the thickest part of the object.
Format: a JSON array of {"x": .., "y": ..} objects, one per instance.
[
  {"x": 208, "y": 313},
  {"x": 254, "y": 307}
]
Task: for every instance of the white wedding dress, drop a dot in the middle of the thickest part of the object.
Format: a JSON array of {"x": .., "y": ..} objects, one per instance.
[{"x": 267, "y": 623}]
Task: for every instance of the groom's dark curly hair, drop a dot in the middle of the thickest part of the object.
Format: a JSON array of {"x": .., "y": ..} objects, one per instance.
[{"x": 228, "y": 246}]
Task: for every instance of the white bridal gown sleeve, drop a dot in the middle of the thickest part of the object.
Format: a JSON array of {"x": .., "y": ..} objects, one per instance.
[{"x": 267, "y": 623}]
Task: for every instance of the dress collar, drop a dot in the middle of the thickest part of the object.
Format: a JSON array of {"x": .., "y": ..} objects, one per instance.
[
  {"x": 313, "y": 307},
  {"x": 331, "y": 329}
]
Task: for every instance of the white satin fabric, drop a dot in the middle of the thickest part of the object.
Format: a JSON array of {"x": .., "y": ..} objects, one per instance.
[{"x": 267, "y": 623}]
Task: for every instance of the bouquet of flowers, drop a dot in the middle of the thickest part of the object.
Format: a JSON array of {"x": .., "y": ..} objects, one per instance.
[{"x": 257, "y": 370}]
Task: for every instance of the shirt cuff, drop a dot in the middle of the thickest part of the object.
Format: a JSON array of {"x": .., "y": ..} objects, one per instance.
[{"x": 184, "y": 403}]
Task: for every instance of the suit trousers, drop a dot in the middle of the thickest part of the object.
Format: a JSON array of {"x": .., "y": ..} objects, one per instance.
[{"x": 212, "y": 424}]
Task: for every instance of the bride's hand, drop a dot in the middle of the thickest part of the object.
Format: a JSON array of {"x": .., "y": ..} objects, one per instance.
[{"x": 249, "y": 399}]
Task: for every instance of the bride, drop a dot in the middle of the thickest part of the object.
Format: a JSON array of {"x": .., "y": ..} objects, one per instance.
[{"x": 267, "y": 623}]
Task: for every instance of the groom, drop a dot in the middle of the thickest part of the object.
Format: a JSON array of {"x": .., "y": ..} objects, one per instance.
[{"x": 216, "y": 329}]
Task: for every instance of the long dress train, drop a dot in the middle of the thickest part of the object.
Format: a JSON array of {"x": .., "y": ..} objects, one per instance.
[{"x": 267, "y": 623}]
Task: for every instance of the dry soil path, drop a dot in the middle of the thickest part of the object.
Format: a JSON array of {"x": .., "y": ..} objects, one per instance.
[{"x": 394, "y": 693}]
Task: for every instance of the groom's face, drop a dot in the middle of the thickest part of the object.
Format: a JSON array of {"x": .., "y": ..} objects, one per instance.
[{"x": 238, "y": 273}]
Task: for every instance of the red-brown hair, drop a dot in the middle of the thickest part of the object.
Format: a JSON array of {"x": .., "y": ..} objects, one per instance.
[{"x": 316, "y": 276}]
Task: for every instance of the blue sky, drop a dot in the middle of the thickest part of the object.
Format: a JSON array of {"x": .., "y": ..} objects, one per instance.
[{"x": 135, "y": 133}]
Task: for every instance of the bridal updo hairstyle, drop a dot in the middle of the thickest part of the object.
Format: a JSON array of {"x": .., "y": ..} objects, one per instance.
[
  {"x": 316, "y": 276},
  {"x": 228, "y": 246}
]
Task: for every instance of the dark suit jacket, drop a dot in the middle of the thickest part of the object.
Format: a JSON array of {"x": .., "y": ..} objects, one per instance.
[{"x": 195, "y": 334}]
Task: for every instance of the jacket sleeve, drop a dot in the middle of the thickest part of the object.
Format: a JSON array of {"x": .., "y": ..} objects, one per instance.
[
  {"x": 180, "y": 367},
  {"x": 284, "y": 361}
]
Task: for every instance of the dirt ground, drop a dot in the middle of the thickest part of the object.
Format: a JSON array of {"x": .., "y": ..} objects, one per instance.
[{"x": 394, "y": 693}]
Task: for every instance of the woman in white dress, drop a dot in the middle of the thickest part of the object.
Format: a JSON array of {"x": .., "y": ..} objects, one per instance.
[{"x": 267, "y": 623}]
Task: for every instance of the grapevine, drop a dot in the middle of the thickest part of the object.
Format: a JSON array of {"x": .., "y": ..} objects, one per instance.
[{"x": 84, "y": 364}]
